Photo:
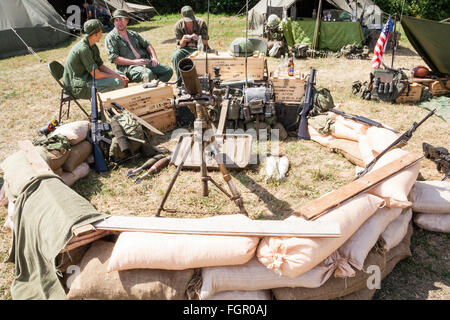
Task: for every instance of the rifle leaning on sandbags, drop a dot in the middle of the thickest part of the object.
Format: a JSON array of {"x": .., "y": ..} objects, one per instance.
[
  {"x": 97, "y": 129},
  {"x": 307, "y": 106},
  {"x": 403, "y": 139},
  {"x": 362, "y": 120}
]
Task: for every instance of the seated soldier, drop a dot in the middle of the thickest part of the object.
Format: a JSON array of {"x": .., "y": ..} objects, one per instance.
[
  {"x": 187, "y": 32},
  {"x": 132, "y": 54},
  {"x": 78, "y": 68}
]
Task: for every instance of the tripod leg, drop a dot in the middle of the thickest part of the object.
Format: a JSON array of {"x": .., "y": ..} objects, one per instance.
[{"x": 174, "y": 178}]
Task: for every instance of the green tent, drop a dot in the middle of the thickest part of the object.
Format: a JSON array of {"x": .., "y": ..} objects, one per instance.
[
  {"x": 36, "y": 24},
  {"x": 430, "y": 39}
]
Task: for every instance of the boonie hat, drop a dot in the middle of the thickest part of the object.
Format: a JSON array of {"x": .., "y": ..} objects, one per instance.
[
  {"x": 188, "y": 13},
  {"x": 92, "y": 26},
  {"x": 120, "y": 13}
]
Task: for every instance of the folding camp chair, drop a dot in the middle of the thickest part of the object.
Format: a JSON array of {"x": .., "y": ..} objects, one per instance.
[{"x": 57, "y": 70}]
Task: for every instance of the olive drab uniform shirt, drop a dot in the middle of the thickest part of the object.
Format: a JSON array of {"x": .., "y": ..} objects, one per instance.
[
  {"x": 78, "y": 66},
  {"x": 116, "y": 46},
  {"x": 200, "y": 28}
]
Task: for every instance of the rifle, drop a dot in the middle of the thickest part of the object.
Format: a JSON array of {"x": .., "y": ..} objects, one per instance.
[
  {"x": 307, "y": 106},
  {"x": 96, "y": 130},
  {"x": 362, "y": 120},
  {"x": 403, "y": 139}
]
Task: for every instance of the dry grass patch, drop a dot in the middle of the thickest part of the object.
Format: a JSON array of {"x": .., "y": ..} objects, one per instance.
[{"x": 29, "y": 98}]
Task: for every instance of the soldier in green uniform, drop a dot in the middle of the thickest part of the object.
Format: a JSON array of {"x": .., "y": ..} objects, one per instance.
[
  {"x": 132, "y": 54},
  {"x": 187, "y": 32},
  {"x": 78, "y": 67}
]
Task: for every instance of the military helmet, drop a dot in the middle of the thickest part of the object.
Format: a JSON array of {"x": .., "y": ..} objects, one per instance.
[
  {"x": 244, "y": 47},
  {"x": 273, "y": 20}
]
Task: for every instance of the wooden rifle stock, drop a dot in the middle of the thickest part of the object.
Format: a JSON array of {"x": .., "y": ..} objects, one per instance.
[{"x": 307, "y": 106}]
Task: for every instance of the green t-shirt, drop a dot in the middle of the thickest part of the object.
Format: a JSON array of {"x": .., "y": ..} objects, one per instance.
[
  {"x": 200, "y": 28},
  {"x": 116, "y": 46},
  {"x": 78, "y": 66}
]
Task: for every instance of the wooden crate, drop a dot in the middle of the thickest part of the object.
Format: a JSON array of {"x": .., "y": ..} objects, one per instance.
[
  {"x": 437, "y": 89},
  {"x": 139, "y": 100},
  {"x": 163, "y": 120},
  {"x": 286, "y": 88},
  {"x": 415, "y": 91},
  {"x": 231, "y": 68}
]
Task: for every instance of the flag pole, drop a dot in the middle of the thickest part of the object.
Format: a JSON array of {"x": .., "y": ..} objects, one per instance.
[{"x": 394, "y": 46}]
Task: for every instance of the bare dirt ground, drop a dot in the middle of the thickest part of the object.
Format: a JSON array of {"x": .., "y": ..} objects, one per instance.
[{"x": 29, "y": 98}]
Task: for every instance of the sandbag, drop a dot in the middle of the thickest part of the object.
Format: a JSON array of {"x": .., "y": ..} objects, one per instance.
[
  {"x": 356, "y": 249},
  {"x": 365, "y": 150},
  {"x": 139, "y": 250},
  {"x": 54, "y": 158},
  {"x": 242, "y": 295},
  {"x": 3, "y": 198},
  {"x": 431, "y": 197},
  {"x": 9, "y": 222},
  {"x": 94, "y": 282},
  {"x": 380, "y": 138},
  {"x": 75, "y": 132},
  {"x": 358, "y": 127},
  {"x": 349, "y": 149},
  {"x": 81, "y": 171},
  {"x": 292, "y": 256},
  {"x": 18, "y": 172},
  {"x": 396, "y": 188},
  {"x": 438, "y": 222},
  {"x": 342, "y": 131},
  {"x": 77, "y": 155},
  {"x": 336, "y": 288},
  {"x": 255, "y": 276},
  {"x": 317, "y": 137},
  {"x": 396, "y": 230}
]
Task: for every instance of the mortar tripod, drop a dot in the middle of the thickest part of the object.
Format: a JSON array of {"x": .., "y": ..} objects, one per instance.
[{"x": 201, "y": 124}]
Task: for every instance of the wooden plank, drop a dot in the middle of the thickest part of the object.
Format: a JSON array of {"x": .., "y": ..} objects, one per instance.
[
  {"x": 164, "y": 120},
  {"x": 319, "y": 206},
  {"x": 208, "y": 226},
  {"x": 37, "y": 163}
]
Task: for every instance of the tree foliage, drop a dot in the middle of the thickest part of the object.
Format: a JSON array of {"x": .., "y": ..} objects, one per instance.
[
  {"x": 426, "y": 9},
  {"x": 216, "y": 6}
]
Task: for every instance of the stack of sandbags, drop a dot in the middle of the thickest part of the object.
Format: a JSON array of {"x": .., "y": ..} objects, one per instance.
[
  {"x": 93, "y": 281},
  {"x": 158, "y": 255},
  {"x": 75, "y": 165},
  {"x": 431, "y": 204}
]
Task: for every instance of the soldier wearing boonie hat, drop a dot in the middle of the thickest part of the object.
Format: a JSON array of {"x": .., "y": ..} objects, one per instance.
[
  {"x": 131, "y": 53},
  {"x": 82, "y": 57},
  {"x": 187, "y": 32}
]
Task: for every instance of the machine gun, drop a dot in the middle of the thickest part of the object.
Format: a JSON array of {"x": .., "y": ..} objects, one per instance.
[
  {"x": 440, "y": 156},
  {"x": 307, "y": 106},
  {"x": 362, "y": 120},
  {"x": 403, "y": 140},
  {"x": 97, "y": 130}
]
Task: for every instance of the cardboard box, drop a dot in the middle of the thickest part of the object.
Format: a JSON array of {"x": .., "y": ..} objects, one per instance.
[
  {"x": 231, "y": 68},
  {"x": 287, "y": 88},
  {"x": 415, "y": 91},
  {"x": 139, "y": 100},
  {"x": 164, "y": 120}
]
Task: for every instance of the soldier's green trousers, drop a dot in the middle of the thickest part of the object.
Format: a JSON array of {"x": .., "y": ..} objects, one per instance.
[
  {"x": 177, "y": 56},
  {"x": 161, "y": 72}
]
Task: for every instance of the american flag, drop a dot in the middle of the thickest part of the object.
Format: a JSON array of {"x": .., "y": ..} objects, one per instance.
[{"x": 381, "y": 43}]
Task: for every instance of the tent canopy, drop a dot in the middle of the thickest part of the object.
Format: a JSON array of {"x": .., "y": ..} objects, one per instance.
[
  {"x": 34, "y": 21},
  {"x": 430, "y": 39},
  {"x": 302, "y": 8}
]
